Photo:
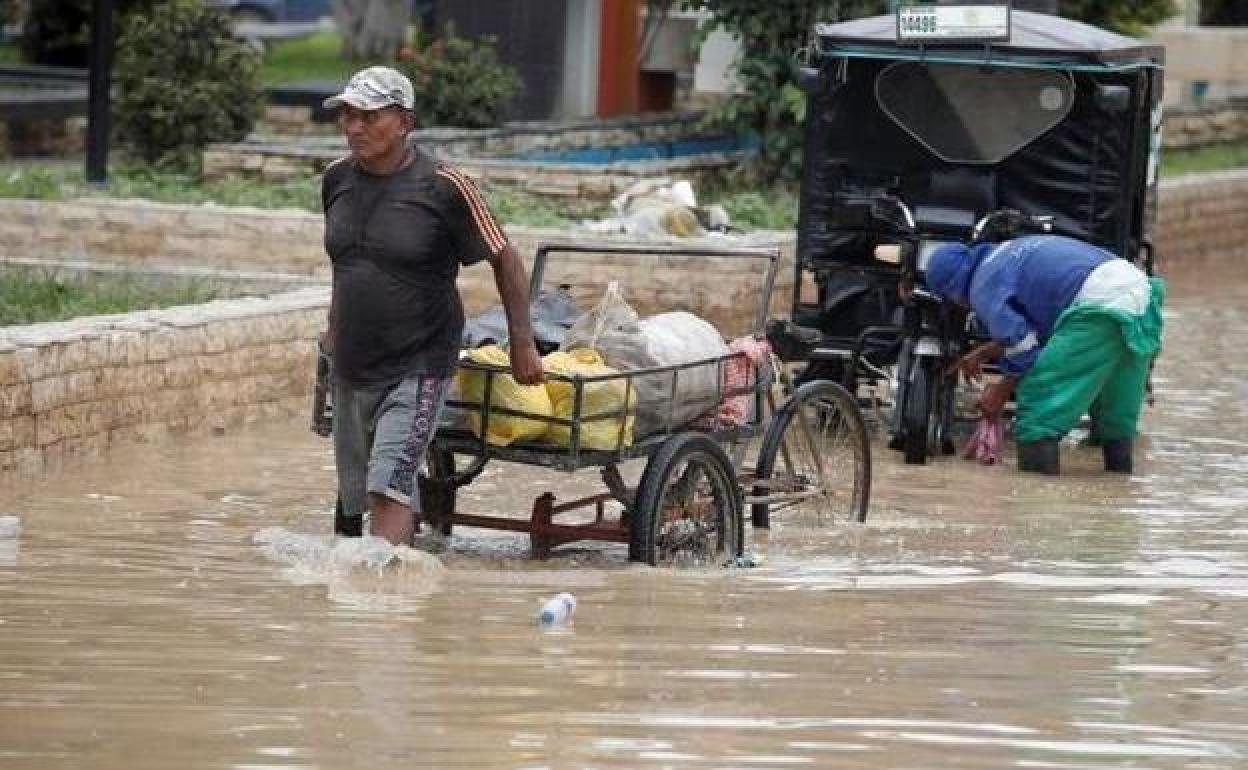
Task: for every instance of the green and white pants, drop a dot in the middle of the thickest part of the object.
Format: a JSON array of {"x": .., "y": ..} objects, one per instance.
[{"x": 1097, "y": 360}]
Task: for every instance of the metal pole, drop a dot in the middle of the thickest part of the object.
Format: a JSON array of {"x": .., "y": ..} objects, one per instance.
[{"x": 100, "y": 75}]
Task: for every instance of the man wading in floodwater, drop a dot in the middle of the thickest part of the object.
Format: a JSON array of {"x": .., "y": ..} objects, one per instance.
[
  {"x": 398, "y": 225},
  {"x": 1073, "y": 326}
]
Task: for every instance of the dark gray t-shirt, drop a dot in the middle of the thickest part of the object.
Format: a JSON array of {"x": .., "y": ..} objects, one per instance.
[{"x": 396, "y": 244}]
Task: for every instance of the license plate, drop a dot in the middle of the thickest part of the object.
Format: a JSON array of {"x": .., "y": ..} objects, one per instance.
[{"x": 971, "y": 22}]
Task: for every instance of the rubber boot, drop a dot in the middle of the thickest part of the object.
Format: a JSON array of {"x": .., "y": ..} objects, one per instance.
[
  {"x": 1117, "y": 455},
  {"x": 1040, "y": 457}
]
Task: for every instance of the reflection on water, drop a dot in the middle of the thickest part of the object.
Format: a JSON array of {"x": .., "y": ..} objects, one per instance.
[{"x": 183, "y": 606}]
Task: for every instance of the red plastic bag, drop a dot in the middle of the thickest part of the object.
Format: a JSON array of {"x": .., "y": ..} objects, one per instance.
[
  {"x": 987, "y": 442},
  {"x": 740, "y": 371}
]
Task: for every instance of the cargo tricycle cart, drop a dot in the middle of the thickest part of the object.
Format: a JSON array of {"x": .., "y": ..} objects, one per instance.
[{"x": 810, "y": 445}]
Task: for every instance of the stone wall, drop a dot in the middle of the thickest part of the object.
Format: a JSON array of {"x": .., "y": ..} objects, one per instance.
[
  {"x": 275, "y": 163},
  {"x": 485, "y": 153},
  {"x": 283, "y": 122},
  {"x": 1197, "y": 213},
  {"x": 80, "y": 386},
  {"x": 139, "y": 234},
  {"x": 1202, "y": 218},
  {"x": 1188, "y": 127},
  {"x": 77, "y": 387}
]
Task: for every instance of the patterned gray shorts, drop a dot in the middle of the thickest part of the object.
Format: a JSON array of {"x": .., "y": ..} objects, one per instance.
[{"x": 381, "y": 436}]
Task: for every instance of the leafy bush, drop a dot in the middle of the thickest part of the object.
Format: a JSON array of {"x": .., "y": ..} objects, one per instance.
[
  {"x": 769, "y": 209},
  {"x": 770, "y": 104},
  {"x": 58, "y": 32},
  {"x": 1130, "y": 17},
  {"x": 460, "y": 82},
  {"x": 184, "y": 81}
]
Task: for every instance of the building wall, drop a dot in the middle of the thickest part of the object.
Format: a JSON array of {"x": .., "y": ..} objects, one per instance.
[{"x": 1217, "y": 58}]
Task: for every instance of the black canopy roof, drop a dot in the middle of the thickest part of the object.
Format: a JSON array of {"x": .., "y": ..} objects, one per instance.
[{"x": 1033, "y": 37}]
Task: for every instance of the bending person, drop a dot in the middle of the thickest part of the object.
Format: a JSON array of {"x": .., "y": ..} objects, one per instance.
[{"x": 1074, "y": 329}]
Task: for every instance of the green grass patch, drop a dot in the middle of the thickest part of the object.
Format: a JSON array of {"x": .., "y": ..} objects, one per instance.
[
  {"x": 520, "y": 207},
  {"x": 35, "y": 296},
  {"x": 62, "y": 182},
  {"x": 65, "y": 182},
  {"x": 749, "y": 209},
  {"x": 316, "y": 57},
  {"x": 1215, "y": 157},
  {"x": 769, "y": 209}
]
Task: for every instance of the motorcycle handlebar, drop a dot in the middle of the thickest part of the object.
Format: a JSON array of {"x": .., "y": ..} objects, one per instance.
[{"x": 1014, "y": 222}]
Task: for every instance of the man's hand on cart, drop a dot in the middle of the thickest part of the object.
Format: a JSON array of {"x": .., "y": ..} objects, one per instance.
[
  {"x": 972, "y": 363},
  {"x": 526, "y": 364}
]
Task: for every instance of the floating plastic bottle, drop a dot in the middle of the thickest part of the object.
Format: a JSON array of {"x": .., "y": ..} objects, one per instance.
[
  {"x": 557, "y": 610},
  {"x": 10, "y": 526}
]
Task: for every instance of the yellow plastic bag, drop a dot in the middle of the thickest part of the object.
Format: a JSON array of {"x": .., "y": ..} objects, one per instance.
[
  {"x": 597, "y": 398},
  {"x": 503, "y": 429}
]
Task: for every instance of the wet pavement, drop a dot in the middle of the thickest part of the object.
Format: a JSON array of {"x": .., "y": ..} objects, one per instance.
[{"x": 181, "y": 606}]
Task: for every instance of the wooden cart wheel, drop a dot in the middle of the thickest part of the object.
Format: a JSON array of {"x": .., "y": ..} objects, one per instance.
[
  {"x": 688, "y": 510},
  {"x": 437, "y": 490},
  {"x": 817, "y": 453}
]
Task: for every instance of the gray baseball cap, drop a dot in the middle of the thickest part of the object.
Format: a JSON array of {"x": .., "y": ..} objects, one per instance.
[{"x": 374, "y": 88}]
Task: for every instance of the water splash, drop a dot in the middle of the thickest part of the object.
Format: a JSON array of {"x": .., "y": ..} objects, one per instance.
[{"x": 366, "y": 572}]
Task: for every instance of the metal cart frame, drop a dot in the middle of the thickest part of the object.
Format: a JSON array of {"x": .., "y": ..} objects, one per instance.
[{"x": 688, "y": 505}]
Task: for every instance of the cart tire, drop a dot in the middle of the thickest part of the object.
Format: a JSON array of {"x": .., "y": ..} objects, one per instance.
[
  {"x": 916, "y": 414},
  {"x": 438, "y": 490},
  {"x": 688, "y": 510},
  {"x": 821, "y": 417}
]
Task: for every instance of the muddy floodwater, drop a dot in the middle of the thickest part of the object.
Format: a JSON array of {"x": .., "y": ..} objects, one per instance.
[{"x": 181, "y": 606}]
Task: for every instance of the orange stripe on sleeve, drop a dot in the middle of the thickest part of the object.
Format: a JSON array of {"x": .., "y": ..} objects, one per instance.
[{"x": 490, "y": 232}]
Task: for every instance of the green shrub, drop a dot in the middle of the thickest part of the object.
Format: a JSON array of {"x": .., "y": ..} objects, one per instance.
[
  {"x": 58, "y": 32},
  {"x": 460, "y": 82},
  {"x": 184, "y": 81},
  {"x": 773, "y": 208}
]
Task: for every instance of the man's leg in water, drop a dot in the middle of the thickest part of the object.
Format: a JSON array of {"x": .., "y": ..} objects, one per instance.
[{"x": 406, "y": 424}]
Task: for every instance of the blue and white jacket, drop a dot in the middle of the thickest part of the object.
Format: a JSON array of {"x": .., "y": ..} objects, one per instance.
[{"x": 1020, "y": 287}]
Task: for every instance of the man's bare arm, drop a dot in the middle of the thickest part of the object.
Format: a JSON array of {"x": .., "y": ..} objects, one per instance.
[{"x": 512, "y": 282}]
